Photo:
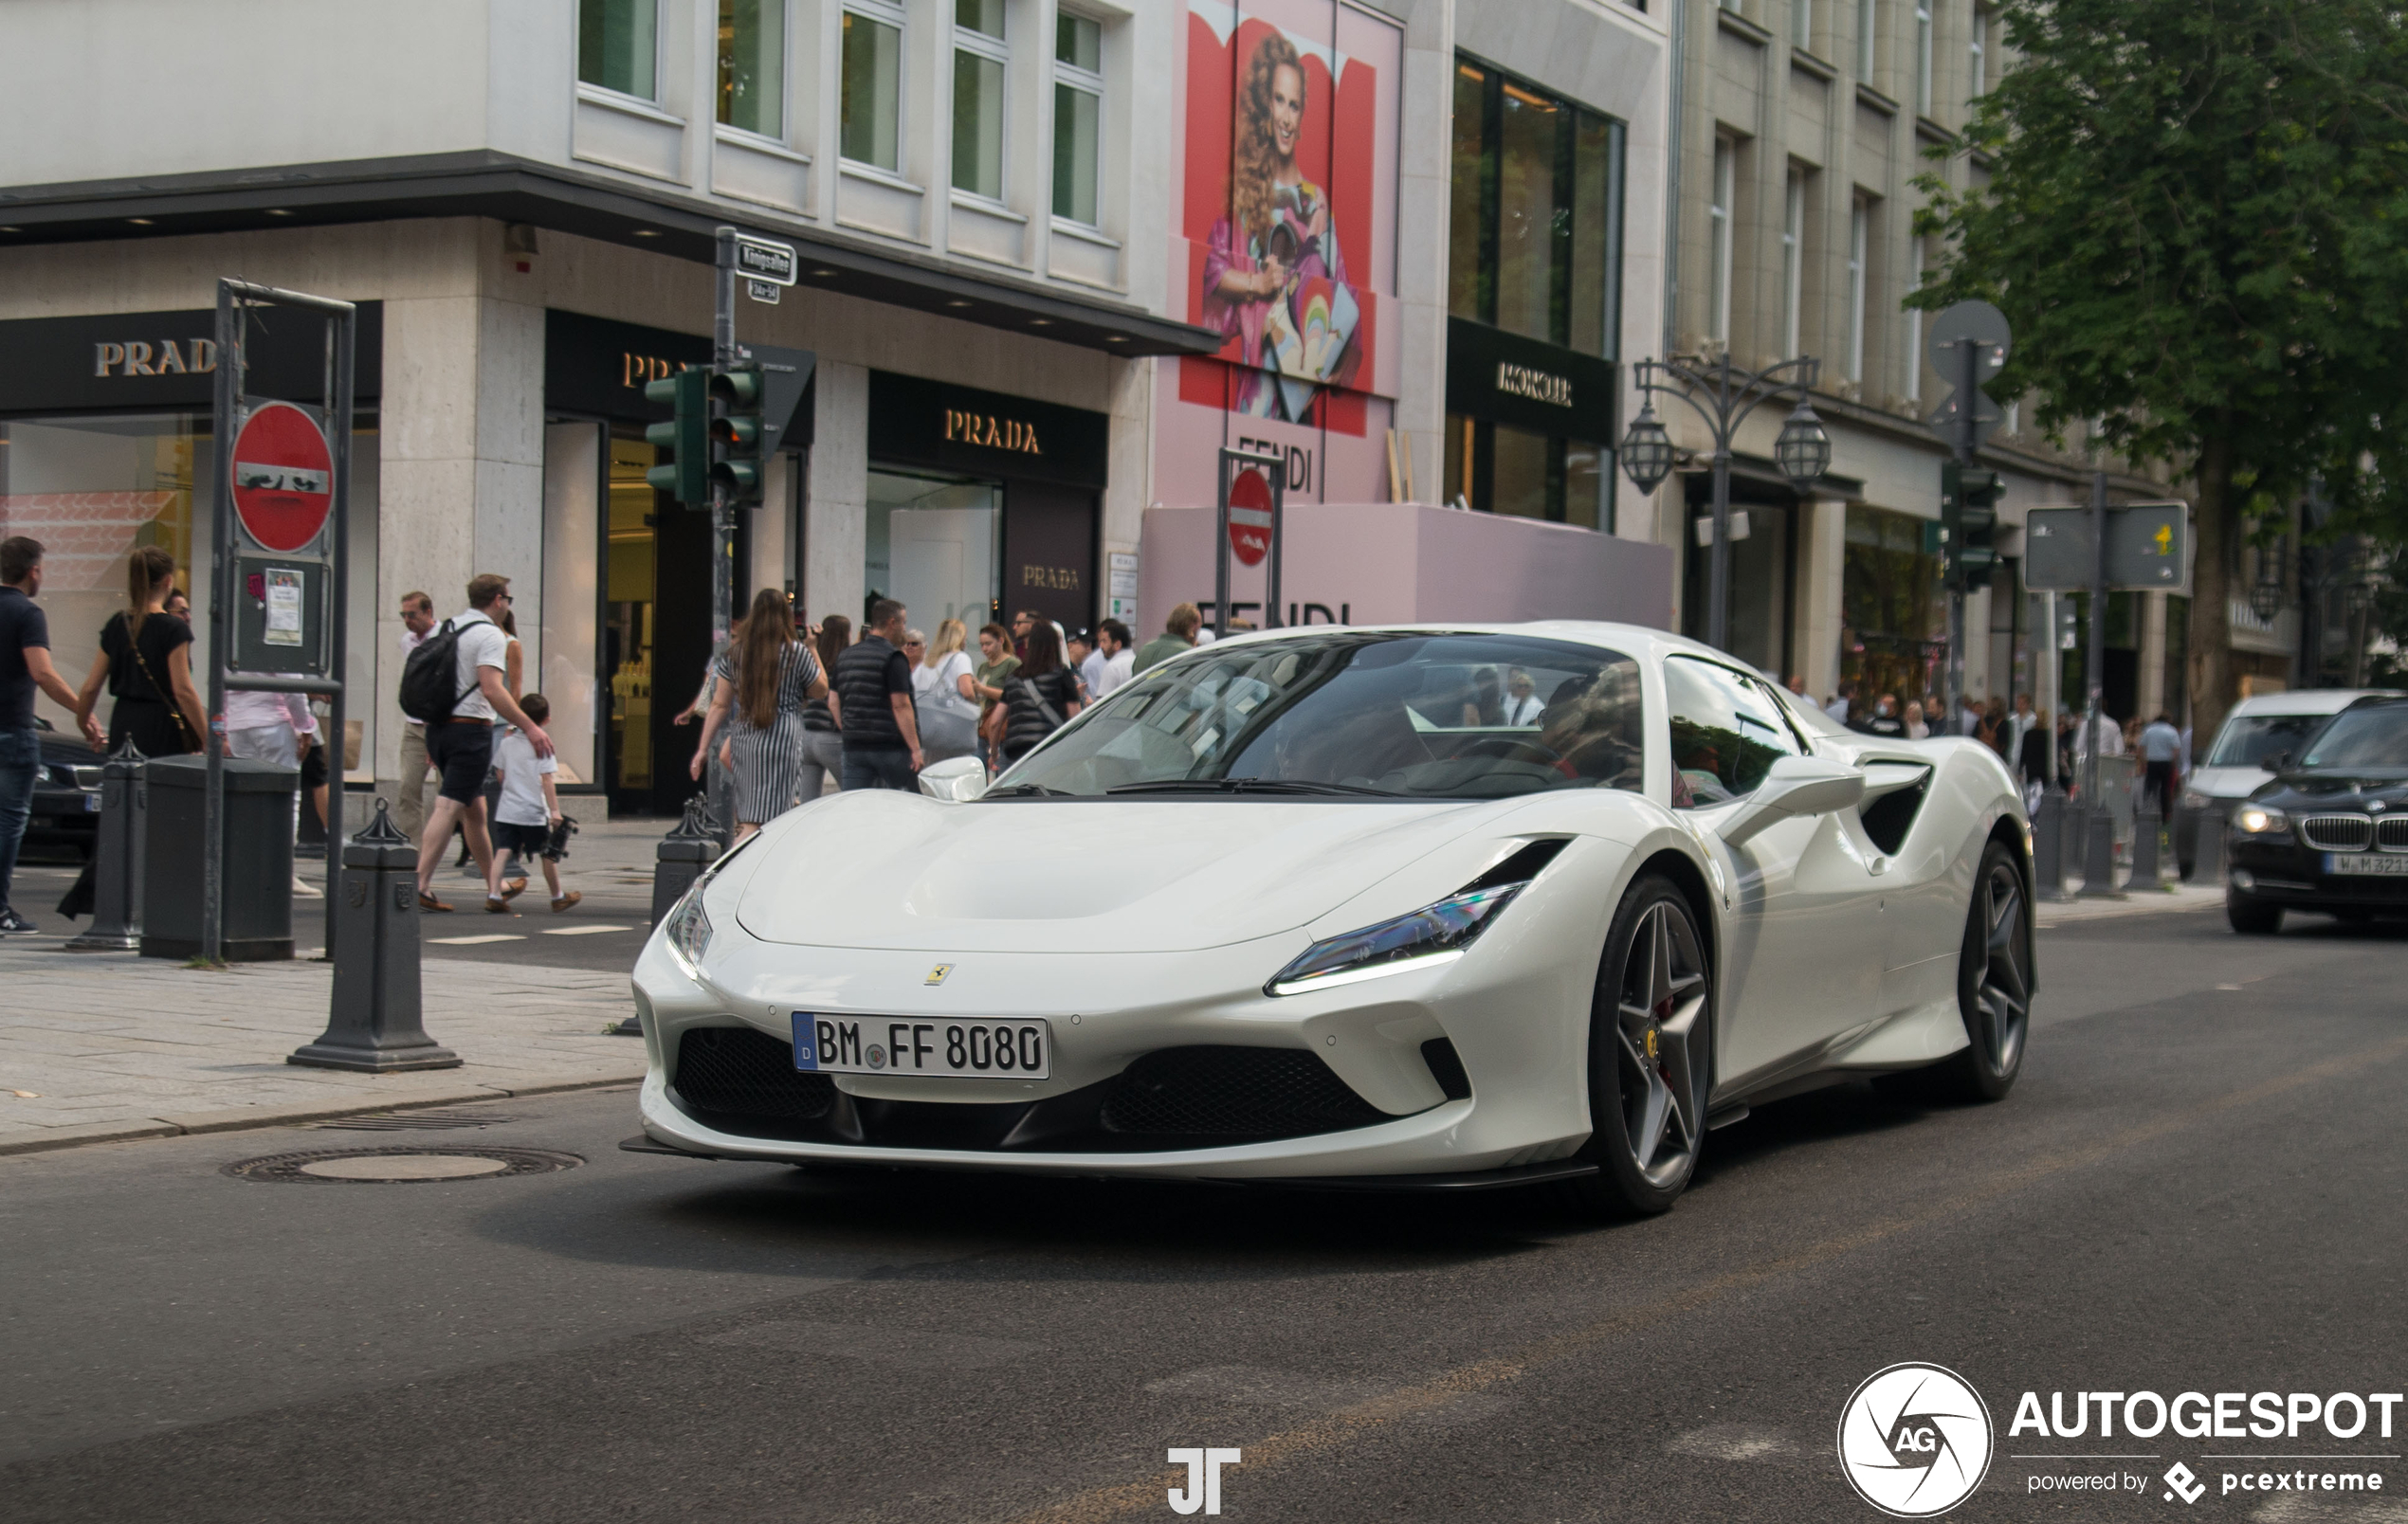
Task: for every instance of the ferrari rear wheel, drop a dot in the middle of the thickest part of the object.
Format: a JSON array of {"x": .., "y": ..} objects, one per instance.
[{"x": 1651, "y": 1054}]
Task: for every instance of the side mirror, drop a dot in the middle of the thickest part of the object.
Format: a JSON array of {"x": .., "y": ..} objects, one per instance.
[
  {"x": 2274, "y": 761},
  {"x": 1795, "y": 786},
  {"x": 957, "y": 780}
]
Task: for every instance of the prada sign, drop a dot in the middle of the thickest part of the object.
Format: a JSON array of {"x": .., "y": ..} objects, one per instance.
[
  {"x": 599, "y": 368},
  {"x": 168, "y": 360},
  {"x": 916, "y": 421},
  {"x": 1499, "y": 377}
]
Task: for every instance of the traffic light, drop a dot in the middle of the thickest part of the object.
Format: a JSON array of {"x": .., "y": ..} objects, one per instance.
[
  {"x": 1969, "y": 520},
  {"x": 686, "y": 473},
  {"x": 736, "y": 433}
]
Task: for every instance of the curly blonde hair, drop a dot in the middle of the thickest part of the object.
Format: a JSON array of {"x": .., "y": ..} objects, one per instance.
[{"x": 1254, "y": 191}]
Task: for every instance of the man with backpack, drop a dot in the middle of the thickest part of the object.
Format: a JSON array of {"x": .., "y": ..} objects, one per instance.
[{"x": 452, "y": 683}]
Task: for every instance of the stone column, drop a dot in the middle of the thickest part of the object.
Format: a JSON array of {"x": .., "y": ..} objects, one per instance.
[{"x": 835, "y": 535}]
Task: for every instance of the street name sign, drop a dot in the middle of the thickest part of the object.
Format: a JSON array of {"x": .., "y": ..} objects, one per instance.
[
  {"x": 283, "y": 477},
  {"x": 2148, "y": 549},
  {"x": 768, "y": 291},
  {"x": 762, "y": 259}
]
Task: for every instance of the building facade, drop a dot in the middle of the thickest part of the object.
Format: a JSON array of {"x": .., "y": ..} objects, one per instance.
[{"x": 1055, "y": 255}]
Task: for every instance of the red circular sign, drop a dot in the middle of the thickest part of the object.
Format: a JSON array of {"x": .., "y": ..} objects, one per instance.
[
  {"x": 1250, "y": 516},
  {"x": 283, "y": 477}
]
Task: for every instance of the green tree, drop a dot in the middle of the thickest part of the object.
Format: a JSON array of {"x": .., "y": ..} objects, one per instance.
[{"x": 2195, "y": 212}]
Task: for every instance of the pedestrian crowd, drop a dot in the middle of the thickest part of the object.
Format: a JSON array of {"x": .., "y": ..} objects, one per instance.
[{"x": 2022, "y": 736}]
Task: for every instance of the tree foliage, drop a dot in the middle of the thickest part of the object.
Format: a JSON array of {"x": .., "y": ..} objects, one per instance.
[{"x": 2195, "y": 212}]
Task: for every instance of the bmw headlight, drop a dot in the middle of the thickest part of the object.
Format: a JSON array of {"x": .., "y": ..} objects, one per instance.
[
  {"x": 1431, "y": 935},
  {"x": 2257, "y": 820},
  {"x": 688, "y": 931}
]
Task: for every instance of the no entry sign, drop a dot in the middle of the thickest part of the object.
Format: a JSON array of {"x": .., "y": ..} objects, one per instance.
[
  {"x": 283, "y": 477},
  {"x": 1250, "y": 516}
]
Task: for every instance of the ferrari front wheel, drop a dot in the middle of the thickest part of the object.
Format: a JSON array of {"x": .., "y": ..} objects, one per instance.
[{"x": 1651, "y": 1054}]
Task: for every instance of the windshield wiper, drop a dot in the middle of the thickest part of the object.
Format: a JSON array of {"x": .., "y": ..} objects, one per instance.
[
  {"x": 1027, "y": 790},
  {"x": 1256, "y": 786}
]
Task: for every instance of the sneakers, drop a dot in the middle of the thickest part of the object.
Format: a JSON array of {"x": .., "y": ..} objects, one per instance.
[
  {"x": 11, "y": 921},
  {"x": 427, "y": 901},
  {"x": 566, "y": 901}
]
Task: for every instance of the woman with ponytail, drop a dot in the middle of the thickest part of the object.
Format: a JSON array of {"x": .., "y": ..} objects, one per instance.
[
  {"x": 146, "y": 660},
  {"x": 765, "y": 677}
]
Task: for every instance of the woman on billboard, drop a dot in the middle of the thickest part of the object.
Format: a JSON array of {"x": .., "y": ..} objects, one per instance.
[{"x": 1274, "y": 277}]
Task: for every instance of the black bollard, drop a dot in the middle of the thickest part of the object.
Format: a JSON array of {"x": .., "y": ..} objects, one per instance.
[
  {"x": 116, "y": 857},
  {"x": 375, "y": 1023},
  {"x": 2098, "y": 853},
  {"x": 2207, "y": 846},
  {"x": 2048, "y": 845},
  {"x": 691, "y": 845}
]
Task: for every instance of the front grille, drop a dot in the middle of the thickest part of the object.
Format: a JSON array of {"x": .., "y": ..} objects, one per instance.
[
  {"x": 86, "y": 777},
  {"x": 2392, "y": 835},
  {"x": 1235, "y": 1092},
  {"x": 737, "y": 1071},
  {"x": 2337, "y": 833}
]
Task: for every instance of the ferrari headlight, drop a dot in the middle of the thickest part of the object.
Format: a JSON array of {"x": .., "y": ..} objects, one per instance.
[
  {"x": 688, "y": 931},
  {"x": 2260, "y": 819},
  {"x": 1427, "y": 938},
  {"x": 2192, "y": 799}
]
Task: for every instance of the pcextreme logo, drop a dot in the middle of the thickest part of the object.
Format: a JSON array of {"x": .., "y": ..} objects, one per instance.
[{"x": 1914, "y": 1439}]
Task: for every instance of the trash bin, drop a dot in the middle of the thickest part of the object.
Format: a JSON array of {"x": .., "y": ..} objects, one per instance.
[{"x": 257, "y": 877}]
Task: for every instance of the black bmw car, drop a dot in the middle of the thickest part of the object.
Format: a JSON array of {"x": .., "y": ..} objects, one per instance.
[
  {"x": 66, "y": 796},
  {"x": 2329, "y": 831}
]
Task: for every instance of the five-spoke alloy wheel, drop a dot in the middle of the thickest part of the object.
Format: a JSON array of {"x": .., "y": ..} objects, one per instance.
[{"x": 1651, "y": 1053}]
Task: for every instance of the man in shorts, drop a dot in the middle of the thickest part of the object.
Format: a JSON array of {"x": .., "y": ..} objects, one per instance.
[{"x": 460, "y": 747}]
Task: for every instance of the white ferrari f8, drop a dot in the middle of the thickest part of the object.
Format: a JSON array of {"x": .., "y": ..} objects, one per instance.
[{"x": 1403, "y": 907}]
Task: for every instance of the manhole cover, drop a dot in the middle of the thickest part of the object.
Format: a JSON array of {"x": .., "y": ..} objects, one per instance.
[
  {"x": 396, "y": 1165},
  {"x": 422, "y": 1121}
]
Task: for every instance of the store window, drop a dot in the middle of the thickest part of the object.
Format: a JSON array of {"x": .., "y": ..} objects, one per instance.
[
  {"x": 1894, "y": 621},
  {"x": 1077, "y": 116},
  {"x": 93, "y": 489},
  {"x": 934, "y": 545},
  {"x": 1978, "y": 57},
  {"x": 1533, "y": 294},
  {"x": 870, "y": 86},
  {"x": 618, "y": 45},
  {"x": 1801, "y": 24},
  {"x": 751, "y": 67},
  {"x": 978, "y": 60}
]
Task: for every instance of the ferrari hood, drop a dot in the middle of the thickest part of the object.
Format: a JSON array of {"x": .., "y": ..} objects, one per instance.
[{"x": 883, "y": 869}]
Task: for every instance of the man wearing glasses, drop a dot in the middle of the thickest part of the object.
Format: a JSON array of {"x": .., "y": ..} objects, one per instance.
[{"x": 460, "y": 747}]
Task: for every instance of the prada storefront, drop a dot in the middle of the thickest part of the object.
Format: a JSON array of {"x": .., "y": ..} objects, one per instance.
[
  {"x": 105, "y": 445},
  {"x": 626, "y": 568},
  {"x": 981, "y": 504}
]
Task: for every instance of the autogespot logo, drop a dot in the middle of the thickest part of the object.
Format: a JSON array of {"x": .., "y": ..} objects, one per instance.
[{"x": 1914, "y": 1439}]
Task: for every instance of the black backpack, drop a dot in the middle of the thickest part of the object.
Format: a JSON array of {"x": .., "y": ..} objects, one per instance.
[{"x": 428, "y": 677}]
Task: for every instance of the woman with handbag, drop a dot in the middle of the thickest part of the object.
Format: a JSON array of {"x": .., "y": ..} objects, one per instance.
[
  {"x": 765, "y": 677},
  {"x": 1040, "y": 698},
  {"x": 948, "y": 715},
  {"x": 146, "y": 658}
]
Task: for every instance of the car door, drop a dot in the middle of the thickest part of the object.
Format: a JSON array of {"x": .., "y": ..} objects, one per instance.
[{"x": 1803, "y": 959}]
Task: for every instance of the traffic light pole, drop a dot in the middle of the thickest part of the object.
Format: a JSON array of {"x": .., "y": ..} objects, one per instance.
[
  {"x": 1967, "y": 442},
  {"x": 723, "y": 516}
]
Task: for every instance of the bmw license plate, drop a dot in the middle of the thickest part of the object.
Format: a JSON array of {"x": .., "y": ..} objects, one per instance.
[
  {"x": 91, "y": 804},
  {"x": 2367, "y": 864},
  {"x": 1021, "y": 1049}
]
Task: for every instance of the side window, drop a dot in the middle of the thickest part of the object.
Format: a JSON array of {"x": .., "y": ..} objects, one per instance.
[{"x": 1726, "y": 732}]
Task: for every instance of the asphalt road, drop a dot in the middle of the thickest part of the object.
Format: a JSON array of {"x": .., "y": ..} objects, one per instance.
[{"x": 2197, "y": 1186}]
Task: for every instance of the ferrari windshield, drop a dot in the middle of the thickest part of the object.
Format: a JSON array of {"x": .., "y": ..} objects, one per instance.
[
  {"x": 1356, "y": 713},
  {"x": 2375, "y": 737}
]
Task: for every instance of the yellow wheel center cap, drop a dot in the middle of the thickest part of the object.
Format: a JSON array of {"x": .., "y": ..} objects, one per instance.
[{"x": 1651, "y": 1040}]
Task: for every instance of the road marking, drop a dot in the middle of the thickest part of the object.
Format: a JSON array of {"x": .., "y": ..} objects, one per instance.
[
  {"x": 584, "y": 931},
  {"x": 1333, "y": 1430},
  {"x": 478, "y": 941}
]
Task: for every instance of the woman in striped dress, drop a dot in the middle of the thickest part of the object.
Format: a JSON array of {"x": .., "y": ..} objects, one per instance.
[{"x": 760, "y": 697}]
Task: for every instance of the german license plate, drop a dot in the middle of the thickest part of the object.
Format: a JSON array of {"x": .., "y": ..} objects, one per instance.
[
  {"x": 2367, "y": 864},
  {"x": 91, "y": 804},
  {"x": 951, "y": 1047}
]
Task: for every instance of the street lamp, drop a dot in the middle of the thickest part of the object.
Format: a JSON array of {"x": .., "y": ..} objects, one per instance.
[{"x": 1724, "y": 397}]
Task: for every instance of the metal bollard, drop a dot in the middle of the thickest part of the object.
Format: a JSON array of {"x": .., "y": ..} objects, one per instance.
[
  {"x": 2148, "y": 830},
  {"x": 2048, "y": 845},
  {"x": 2098, "y": 854},
  {"x": 375, "y": 1023},
  {"x": 691, "y": 845},
  {"x": 117, "y": 857},
  {"x": 2207, "y": 846}
]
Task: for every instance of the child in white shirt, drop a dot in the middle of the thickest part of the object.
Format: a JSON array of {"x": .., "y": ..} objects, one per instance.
[{"x": 529, "y": 809}]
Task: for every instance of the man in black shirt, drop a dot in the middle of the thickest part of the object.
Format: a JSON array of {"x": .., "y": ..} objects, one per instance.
[
  {"x": 25, "y": 666},
  {"x": 874, "y": 705}
]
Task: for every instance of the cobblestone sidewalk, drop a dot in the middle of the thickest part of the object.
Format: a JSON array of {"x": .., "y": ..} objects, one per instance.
[{"x": 100, "y": 1046}]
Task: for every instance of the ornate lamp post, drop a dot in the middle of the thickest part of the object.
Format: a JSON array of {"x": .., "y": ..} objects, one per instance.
[{"x": 1723, "y": 396}]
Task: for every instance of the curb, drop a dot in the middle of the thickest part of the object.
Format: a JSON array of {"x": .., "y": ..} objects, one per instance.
[{"x": 247, "y": 1117}]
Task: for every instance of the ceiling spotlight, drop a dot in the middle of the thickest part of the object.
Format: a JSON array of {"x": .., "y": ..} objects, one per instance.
[
  {"x": 647, "y": 232},
  {"x": 278, "y": 211},
  {"x": 1116, "y": 339},
  {"x": 823, "y": 272},
  {"x": 957, "y": 302},
  {"x": 11, "y": 230},
  {"x": 1040, "y": 322},
  {"x": 140, "y": 222}
]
